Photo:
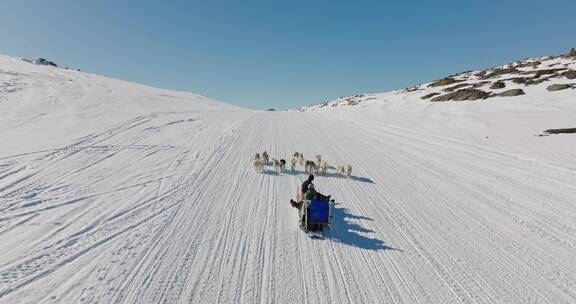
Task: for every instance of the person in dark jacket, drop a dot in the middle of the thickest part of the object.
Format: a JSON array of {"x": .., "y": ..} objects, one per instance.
[
  {"x": 308, "y": 192},
  {"x": 306, "y": 183},
  {"x": 312, "y": 194}
]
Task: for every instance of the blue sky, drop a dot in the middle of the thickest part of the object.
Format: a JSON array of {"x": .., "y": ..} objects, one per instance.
[{"x": 283, "y": 54}]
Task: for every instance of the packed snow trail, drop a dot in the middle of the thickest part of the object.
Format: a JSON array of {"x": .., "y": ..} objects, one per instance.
[{"x": 166, "y": 208}]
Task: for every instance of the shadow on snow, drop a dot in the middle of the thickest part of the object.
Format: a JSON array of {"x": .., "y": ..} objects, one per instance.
[
  {"x": 328, "y": 174},
  {"x": 349, "y": 233}
]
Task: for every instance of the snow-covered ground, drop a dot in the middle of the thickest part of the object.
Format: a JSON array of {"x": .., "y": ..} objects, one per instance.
[{"x": 112, "y": 192}]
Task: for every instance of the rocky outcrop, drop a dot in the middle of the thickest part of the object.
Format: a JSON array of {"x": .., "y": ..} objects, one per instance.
[
  {"x": 480, "y": 84},
  {"x": 558, "y": 131},
  {"x": 429, "y": 95},
  {"x": 510, "y": 93},
  {"x": 481, "y": 73},
  {"x": 538, "y": 73},
  {"x": 572, "y": 53},
  {"x": 570, "y": 74},
  {"x": 559, "y": 87},
  {"x": 463, "y": 94},
  {"x": 498, "y": 85},
  {"x": 528, "y": 80},
  {"x": 533, "y": 64},
  {"x": 458, "y": 86},
  {"x": 498, "y": 72},
  {"x": 444, "y": 82},
  {"x": 41, "y": 61}
]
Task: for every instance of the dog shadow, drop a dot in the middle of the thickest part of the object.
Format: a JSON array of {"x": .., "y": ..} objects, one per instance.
[
  {"x": 270, "y": 172},
  {"x": 349, "y": 233},
  {"x": 327, "y": 174},
  {"x": 362, "y": 179},
  {"x": 295, "y": 172},
  {"x": 353, "y": 177}
]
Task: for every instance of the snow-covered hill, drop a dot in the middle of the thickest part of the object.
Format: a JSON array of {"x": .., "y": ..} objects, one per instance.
[
  {"x": 507, "y": 108},
  {"x": 524, "y": 77},
  {"x": 112, "y": 192}
]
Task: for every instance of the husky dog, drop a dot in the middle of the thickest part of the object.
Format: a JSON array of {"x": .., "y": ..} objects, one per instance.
[
  {"x": 258, "y": 165},
  {"x": 318, "y": 158},
  {"x": 278, "y": 166},
  {"x": 341, "y": 170},
  {"x": 265, "y": 157},
  {"x": 307, "y": 166},
  {"x": 257, "y": 156},
  {"x": 282, "y": 165},
  {"x": 299, "y": 157},
  {"x": 293, "y": 164},
  {"x": 310, "y": 167},
  {"x": 324, "y": 167},
  {"x": 348, "y": 168}
]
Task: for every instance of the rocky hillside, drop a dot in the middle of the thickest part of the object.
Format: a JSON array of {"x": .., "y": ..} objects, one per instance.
[{"x": 523, "y": 77}]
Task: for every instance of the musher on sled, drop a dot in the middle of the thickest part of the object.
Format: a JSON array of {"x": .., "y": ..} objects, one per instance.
[{"x": 313, "y": 207}]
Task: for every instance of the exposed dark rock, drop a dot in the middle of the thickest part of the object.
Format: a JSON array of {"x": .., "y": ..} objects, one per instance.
[
  {"x": 41, "y": 61},
  {"x": 559, "y": 87},
  {"x": 533, "y": 64},
  {"x": 481, "y": 73},
  {"x": 558, "y": 131},
  {"x": 444, "y": 82},
  {"x": 510, "y": 93},
  {"x": 480, "y": 84},
  {"x": 533, "y": 81},
  {"x": 518, "y": 80},
  {"x": 463, "y": 94},
  {"x": 271, "y": 109},
  {"x": 498, "y": 85},
  {"x": 452, "y": 88},
  {"x": 429, "y": 95},
  {"x": 538, "y": 73},
  {"x": 459, "y": 74},
  {"x": 528, "y": 80},
  {"x": 498, "y": 72},
  {"x": 571, "y": 74},
  {"x": 572, "y": 53}
]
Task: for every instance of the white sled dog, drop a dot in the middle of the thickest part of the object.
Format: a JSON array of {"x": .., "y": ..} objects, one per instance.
[
  {"x": 345, "y": 170},
  {"x": 348, "y": 168},
  {"x": 299, "y": 157},
  {"x": 258, "y": 165},
  {"x": 318, "y": 159},
  {"x": 324, "y": 167},
  {"x": 293, "y": 164}
]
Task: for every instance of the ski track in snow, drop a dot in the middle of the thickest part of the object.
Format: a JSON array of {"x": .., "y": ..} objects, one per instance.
[{"x": 126, "y": 216}]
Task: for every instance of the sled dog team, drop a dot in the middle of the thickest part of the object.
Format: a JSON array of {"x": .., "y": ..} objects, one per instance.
[{"x": 310, "y": 166}]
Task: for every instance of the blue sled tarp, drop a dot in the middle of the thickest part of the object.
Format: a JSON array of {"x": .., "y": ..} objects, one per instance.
[{"x": 319, "y": 211}]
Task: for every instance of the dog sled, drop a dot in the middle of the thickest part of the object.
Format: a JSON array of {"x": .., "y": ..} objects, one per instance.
[{"x": 314, "y": 216}]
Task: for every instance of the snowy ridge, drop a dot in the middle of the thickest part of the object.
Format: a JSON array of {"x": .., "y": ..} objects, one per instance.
[
  {"x": 113, "y": 192},
  {"x": 524, "y": 77}
]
